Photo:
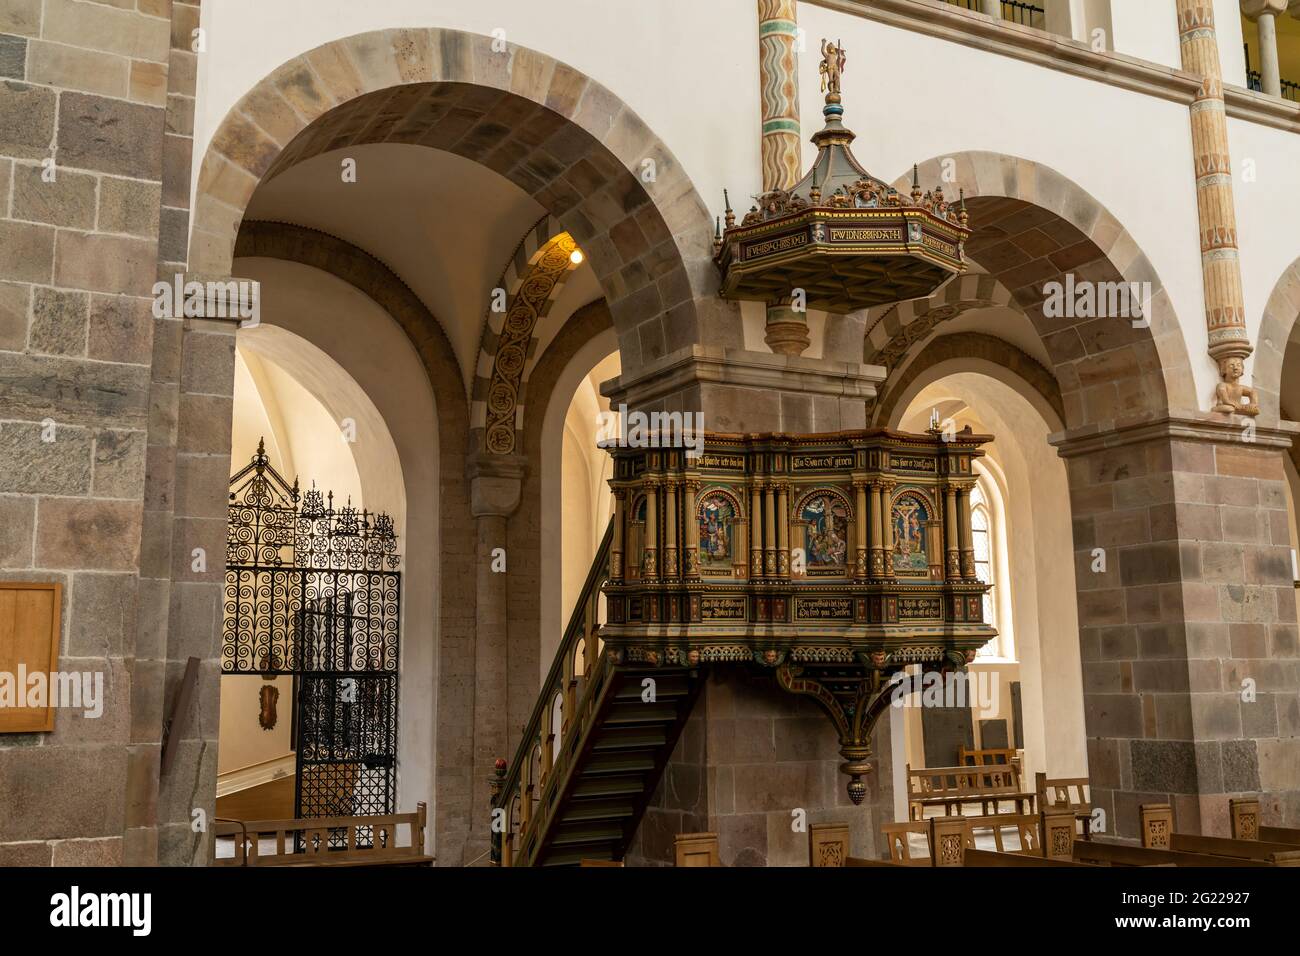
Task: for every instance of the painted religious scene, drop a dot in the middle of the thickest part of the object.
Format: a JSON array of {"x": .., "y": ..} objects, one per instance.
[
  {"x": 910, "y": 513},
  {"x": 826, "y": 533},
  {"x": 717, "y": 516}
]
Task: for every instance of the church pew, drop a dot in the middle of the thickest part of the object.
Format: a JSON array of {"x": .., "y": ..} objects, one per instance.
[
  {"x": 1115, "y": 854},
  {"x": 1157, "y": 825},
  {"x": 1244, "y": 813},
  {"x": 952, "y": 788}
]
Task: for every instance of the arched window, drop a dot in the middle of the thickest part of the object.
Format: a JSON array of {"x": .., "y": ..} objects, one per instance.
[{"x": 982, "y": 542}]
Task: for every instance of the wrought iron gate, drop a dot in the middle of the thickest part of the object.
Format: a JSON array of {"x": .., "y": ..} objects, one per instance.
[{"x": 313, "y": 591}]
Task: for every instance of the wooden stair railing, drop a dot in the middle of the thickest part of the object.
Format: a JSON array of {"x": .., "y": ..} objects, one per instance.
[{"x": 592, "y": 752}]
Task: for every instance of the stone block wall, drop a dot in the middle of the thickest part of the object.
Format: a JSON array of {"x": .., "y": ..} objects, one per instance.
[
  {"x": 1189, "y": 640},
  {"x": 758, "y": 765},
  {"x": 96, "y": 115},
  {"x": 83, "y": 115}
]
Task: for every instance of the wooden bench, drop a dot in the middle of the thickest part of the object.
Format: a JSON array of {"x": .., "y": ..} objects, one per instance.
[
  {"x": 325, "y": 841},
  {"x": 1066, "y": 793},
  {"x": 1246, "y": 825},
  {"x": 1157, "y": 825},
  {"x": 952, "y": 788}
]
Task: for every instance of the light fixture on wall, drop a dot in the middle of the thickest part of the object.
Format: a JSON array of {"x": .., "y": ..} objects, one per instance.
[{"x": 576, "y": 257}]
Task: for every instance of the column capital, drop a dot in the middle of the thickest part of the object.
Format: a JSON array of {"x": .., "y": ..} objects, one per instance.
[
  {"x": 495, "y": 482},
  {"x": 1254, "y": 9}
]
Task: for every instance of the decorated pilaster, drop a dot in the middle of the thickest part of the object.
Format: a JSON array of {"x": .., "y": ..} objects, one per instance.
[
  {"x": 1225, "y": 314},
  {"x": 787, "y": 329}
]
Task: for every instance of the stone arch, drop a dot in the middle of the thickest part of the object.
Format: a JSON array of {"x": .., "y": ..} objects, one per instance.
[
  {"x": 455, "y": 653},
  {"x": 532, "y": 281},
  {"x": 1032, "y": 226},
  {"x": 1281, "y": 314},
  {"x": 563, "y": 138},
  {"x": 893, "y": 329},
  {"x": 972, "y": 352}
]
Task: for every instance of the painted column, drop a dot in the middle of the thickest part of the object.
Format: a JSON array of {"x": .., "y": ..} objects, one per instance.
[
  {"x": 783, "y": 531},
  {"x": 692, "y": 525},
  {"x": 778, "y": 33},
  {"x": 769, "y": 532},
  {"x": 992, "y": 8},
  {"x": 862, "y": 524},
  {"x": 964, "y": 523},
  {"x": 670, "y": 531},
  {"x": 1265, "y": 14},
  {"x": 755, "y": 532},
  {"x": 887, "y": 527},
  {"x": 952, "y": 570},
  {"x": 877, "y": 561},
  {"x": 616, "y": 545},
  {"x": 650, "y": 569},
  {"x": 1225, "y": 315}
]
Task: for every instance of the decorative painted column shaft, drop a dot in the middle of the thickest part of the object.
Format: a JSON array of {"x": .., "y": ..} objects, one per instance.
[
  {"x": 670, "y": 530},
  {"x": 1265, "y": 14},
  {"x": 616, "y": 545},
  {"x": 778, "y": 32},
  {"x": 650, "y": 569},
  {"x": 783, "y": 530},
  {"x": 692, "y": 525},
  {"x": 755, "y": 532},
  {"x": 863, "y": 523},
  {"x": 964, "y": 523},
  {"x": 1225, "y": 314},
  {"x": 769, "y": 532},
  {"x": 887, "y": 527},
  {"x": 877, "y": 561},
  {"x": 952, "y": 569}
]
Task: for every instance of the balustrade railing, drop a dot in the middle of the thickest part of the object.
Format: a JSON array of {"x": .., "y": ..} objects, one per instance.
[
  {"x": 526, "y": 790},
  {"x": 1026, "y": 14}
]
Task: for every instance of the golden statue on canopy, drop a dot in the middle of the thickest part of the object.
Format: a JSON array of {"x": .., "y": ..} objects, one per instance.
[{"x": 832, "y": 67}]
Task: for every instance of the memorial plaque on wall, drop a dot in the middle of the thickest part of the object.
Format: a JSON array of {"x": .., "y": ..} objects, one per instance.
[
  {"x": 993, "y": 735},
  {"x": 29, "y": 645},
  {"x": 1017, "y": 722},
  {"x": 945, "y": 730}
]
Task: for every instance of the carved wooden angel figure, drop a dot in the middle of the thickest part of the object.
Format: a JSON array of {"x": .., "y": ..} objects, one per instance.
[{"x": 833, "y": 60}]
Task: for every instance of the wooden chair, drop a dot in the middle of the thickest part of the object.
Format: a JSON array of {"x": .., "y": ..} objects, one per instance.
[
  {"x": 828, "y": 845},
  {"x": 1066, "y": 793},
  {"x": 898, "y": 837},
  {"x": 697, "y": 849}
]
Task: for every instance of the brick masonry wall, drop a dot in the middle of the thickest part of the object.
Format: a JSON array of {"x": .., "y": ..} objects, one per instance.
[
  {"x": 84, "y": 97},
  {"x": 1196, "y": 598}
]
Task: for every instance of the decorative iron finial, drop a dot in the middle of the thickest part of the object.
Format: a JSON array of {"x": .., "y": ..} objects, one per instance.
[{"x": 831, "y": 69}]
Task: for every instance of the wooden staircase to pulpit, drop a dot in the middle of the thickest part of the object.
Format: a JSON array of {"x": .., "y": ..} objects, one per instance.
[{"x": 833, "y": 562}]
